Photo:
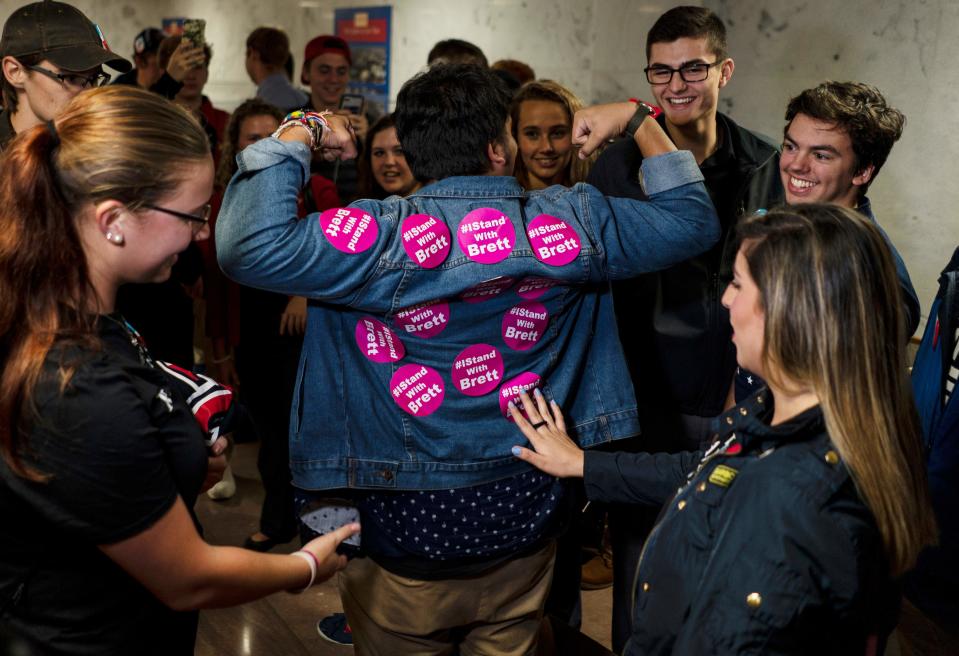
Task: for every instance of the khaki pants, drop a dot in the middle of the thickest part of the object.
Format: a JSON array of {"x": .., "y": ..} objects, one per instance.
[{"x": 496, "y": 613}]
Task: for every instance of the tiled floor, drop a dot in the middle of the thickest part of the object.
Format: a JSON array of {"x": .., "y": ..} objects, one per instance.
[{"x": 283, "y": 624}]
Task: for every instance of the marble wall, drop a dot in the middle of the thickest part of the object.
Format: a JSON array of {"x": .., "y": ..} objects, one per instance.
[{"x": 597, "y": 48}]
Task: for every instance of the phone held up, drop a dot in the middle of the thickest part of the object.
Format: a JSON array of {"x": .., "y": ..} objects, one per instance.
[
  {"x": 353, "y": 103},
  {"x": 194, "y": 29}
]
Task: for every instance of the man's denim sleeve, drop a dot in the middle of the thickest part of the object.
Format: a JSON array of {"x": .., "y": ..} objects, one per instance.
[
  {"x": 262, "y": 243},
  {"x": 676, "y": 223}
]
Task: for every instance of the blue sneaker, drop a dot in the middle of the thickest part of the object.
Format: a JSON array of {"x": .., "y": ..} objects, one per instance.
[{"x": 334, "y": 628}]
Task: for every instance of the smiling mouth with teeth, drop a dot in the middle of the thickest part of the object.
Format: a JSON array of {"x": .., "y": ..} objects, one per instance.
[
  {"x": 680, "y": 101},
  {"x": 801, "y": 184}
]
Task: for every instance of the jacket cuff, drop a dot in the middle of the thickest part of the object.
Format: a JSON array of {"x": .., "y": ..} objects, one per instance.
[
  {"x": 597, "y": 467},
  {"x": 668, "y": 171},
  {"x": 270, "y": 152}
]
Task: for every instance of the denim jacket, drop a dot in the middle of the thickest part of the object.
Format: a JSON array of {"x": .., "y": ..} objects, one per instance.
[{"x": 392, "y": 393}]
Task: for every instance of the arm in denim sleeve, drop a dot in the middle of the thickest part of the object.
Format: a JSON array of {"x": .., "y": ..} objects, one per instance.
[
  {"x": 647, "y": 478},
  {"x": 261, "y": 242},
  {"x": 676, "y": 223}
]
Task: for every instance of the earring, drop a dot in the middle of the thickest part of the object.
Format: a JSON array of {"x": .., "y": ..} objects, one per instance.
[{"x": 116, "y": 239}]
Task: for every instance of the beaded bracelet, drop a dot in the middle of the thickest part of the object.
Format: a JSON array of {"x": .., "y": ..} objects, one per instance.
[
  {"x": 311, "y": 561},
  {"x": 313, "y": 122}
]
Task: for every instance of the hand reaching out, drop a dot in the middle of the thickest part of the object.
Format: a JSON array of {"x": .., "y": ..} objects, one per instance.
[
  {"x": 554, "y": 452},
  {"x": 324, "y": 549}
]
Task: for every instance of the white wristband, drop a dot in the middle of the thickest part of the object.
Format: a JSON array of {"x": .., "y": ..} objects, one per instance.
[{"x": 311, "y": 561}]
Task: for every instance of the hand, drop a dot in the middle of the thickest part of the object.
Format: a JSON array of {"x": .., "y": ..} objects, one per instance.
[
  {"x": 593, "y": 126},
  {"x": 555, "y": 453},
  {"x": 293, "y": 319},
  {"x": 324, "y": 548},
  {"x": 359, "y": 123},
  {"x": 339, "y": 142},
  {"x": 184, "y": 59}
]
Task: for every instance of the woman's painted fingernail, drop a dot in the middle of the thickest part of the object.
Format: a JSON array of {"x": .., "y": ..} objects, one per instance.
[
  {"x": 512, "y": 406},
  {"x": 516, "y": 450},
  {"x": 537, "y": 393}
]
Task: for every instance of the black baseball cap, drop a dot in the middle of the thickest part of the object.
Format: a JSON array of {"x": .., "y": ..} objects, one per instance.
[
  {"x": 148, "y": 41},
  {"x": 61, "y": 34}
]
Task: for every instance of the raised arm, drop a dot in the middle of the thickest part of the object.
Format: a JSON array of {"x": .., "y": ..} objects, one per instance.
[{"x": 261, "y": 242}]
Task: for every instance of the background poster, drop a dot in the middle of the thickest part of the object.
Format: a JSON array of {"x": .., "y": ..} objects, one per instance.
[{"x": 367, "y": 30}]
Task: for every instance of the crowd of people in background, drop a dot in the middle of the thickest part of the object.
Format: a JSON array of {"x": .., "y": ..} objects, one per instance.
[{"x": 763, "y": 482}]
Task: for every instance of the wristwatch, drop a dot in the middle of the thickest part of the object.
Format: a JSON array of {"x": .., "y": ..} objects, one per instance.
[{"x": 642, "y": 111}]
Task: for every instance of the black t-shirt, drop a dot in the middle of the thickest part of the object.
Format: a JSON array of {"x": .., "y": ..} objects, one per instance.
[
  {"x": 119, "y": 447},
  {"x": 675, "y": 332}
]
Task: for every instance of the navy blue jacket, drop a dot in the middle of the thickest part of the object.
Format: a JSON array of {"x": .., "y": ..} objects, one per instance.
[
  {"x": 932, "y": 586},
  {"x": 766, "y": 548}
]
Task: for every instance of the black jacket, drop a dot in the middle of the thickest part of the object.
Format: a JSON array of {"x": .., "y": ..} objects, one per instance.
[
  {"x": 674, "y": 330},
  {"x": 765, "y": 549}
]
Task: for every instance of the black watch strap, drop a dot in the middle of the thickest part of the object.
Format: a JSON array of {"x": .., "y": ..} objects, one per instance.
[{"x": 642, "y": 111}]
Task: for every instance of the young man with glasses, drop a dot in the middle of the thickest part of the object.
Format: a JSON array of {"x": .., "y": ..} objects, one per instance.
[
  {"x": 676, "y": 333},
  {"x": 50, "y": 52}
]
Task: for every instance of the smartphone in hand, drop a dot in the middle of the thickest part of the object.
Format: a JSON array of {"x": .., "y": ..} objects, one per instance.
[
  {"x": 353, "y": 103},
  {"x": 327, "y": 515},
  {"x": 194, "y": 29}
]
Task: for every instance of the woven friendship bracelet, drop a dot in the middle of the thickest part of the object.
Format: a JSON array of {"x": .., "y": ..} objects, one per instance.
[{"x": 313, "y": 122}]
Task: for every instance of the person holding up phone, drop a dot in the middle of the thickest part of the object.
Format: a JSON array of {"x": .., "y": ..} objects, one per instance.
[{"x": 326, "y": 71}]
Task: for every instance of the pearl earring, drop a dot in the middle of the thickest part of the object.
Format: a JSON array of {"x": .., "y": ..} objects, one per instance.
[{"x": 116, "y": 239}]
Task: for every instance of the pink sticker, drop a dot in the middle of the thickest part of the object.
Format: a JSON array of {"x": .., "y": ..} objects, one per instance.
[
  {"x": 349, "y": 230},
  {"x": 417, "y": 389},
  {"x": 424, "y": 320},
  {"x": 478, "y": 369},
  {"x": 377, "y": 341},
  {"x": 524, "y": 324},
  {"x": 487, "y": 289},
  {"x": 511, "y": 389},
  {"x": 486, "y": 235},
  {"x": 534, "y": 287},
  {"x": 553, "y": 240},
  {"x": 426, "y": 240}
]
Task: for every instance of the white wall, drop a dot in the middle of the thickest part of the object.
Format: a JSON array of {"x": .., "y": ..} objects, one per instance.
[
  {"x": 909, "y": 51},
  {"x": 596, "y": 47}
]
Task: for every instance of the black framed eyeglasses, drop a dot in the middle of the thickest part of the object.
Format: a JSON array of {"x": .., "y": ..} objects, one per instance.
[
  {"x": 74, "y": 79},
  {"x": 203, "y": 217},
  {"x": 693, "y": 72}
]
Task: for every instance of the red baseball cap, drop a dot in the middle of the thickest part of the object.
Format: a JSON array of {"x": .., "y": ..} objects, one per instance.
[{"x": 326, "y": 43}]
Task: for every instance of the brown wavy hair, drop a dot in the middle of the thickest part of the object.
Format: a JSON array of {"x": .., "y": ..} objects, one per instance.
[
  {"x": 834, "y": 325},
  {"x": 116, "y": 142},
  {"x": 860, "y": 111},
  {"x": 248, "y": 108},
  {"x": 577, "y": 169}
]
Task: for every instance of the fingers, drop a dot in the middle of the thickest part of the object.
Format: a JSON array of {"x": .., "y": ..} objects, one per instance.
[
  {"x": 324, "y": 548},
  {"x": 558, "y": 416},
  {"x": 533, "y": 458},
  {"x": 219, "y": 446}
]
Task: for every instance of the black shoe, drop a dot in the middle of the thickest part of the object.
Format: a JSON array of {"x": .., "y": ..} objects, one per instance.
[{"x": 262, "y": 545}]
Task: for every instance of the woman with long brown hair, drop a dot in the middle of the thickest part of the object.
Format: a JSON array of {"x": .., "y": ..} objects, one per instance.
[
  {"x": 102, "y": 458},
  {"x": 542, "y": 122},
  {"x": 788, "y": 534}
]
